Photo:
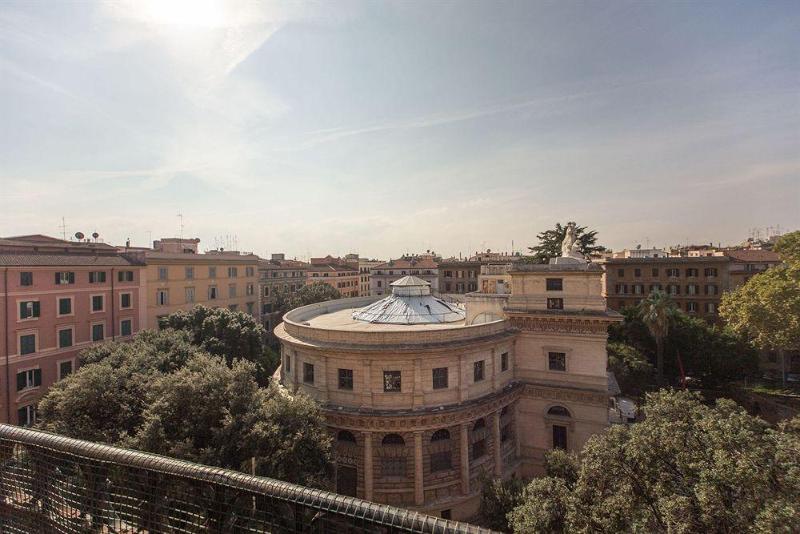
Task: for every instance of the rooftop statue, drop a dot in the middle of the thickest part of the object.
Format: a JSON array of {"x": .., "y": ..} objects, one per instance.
[{"x": 570, "y": 248}]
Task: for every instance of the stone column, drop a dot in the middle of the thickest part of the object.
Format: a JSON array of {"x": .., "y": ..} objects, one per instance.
[
  {"x": 419, "y": 399},
  {"x": 464, "y": 449},
  {"x": 498, "y": 456},
  {"x": 366, "y": 389},
  {"x": 419, "y": 472},
  {"x": 367, "y": 465}
]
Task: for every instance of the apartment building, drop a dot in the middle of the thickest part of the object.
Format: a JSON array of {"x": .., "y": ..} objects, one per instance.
[
  {"x": 364, "y": 267},
  {"x": 58, "y": 297},
  {"x": 744, "y": 264},
  {"x": 458, "y": 277},
  {"x": 278, "y": 275},
  {"x": 424, "y": 267},
  {"x": 695, "y": 284},
  {"x": 342, "y": 276},
  {"x": 179, "y": 278}
]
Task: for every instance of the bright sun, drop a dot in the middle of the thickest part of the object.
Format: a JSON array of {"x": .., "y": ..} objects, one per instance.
[{"x": 189, "y": 13}]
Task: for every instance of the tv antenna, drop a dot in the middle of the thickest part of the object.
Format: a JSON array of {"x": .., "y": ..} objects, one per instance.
[
  {"x": 180, "y": 216},
  {"x": 63, "y": 227}
]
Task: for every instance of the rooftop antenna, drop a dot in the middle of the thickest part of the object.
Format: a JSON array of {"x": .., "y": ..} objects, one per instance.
[
  {"x": 149, "y": 238},
  {"x": 180, "y": 216},
  {"x": 63, "y": 227}
]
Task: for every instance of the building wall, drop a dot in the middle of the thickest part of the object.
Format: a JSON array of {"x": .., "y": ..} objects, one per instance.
[
  {"x": 345, "y": 280},
  {"x": 458, "y": 277},
  {"x": 48, "y": 356},
  {"x": 381, "y": 278},
  {"x": 246, "y": 282}
]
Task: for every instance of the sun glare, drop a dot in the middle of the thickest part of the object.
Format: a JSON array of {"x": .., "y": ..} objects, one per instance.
[{"x": 187, "y": 13}]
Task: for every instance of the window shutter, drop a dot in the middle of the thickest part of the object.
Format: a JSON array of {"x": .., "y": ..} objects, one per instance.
[
  {"x": 57, "y": 278},
  {"x": 21, "y": 381},
  {"x": 22, "y": 416},
  {"x": 23, "y": 310},
  {"x": 36, "y": 309},
  {"x": 37, "y": 377},
  {"x": 71, "y": 278}
]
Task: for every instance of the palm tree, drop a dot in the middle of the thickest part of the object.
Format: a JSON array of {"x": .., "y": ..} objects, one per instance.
[{"x": 656, "y": 312}]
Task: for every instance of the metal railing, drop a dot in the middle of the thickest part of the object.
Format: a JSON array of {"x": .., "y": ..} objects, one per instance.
[{"x": 51, "y": 483}]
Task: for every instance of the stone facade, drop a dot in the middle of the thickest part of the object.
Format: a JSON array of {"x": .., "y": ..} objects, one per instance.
[
  {"x": 420, "y": 412},
  {"x": 458, "y": 277},
  {"x": 381, "y": 276}
]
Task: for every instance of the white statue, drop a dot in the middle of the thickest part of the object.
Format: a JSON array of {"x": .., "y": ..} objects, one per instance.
[{"x": 570, "y": 248}]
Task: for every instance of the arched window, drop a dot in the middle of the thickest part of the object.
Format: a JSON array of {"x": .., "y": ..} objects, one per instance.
[
  {"x": 478, "y": 439},
  {"x": 345, "y": 437},
  {"x": 440, "y": 435},
  {"x": 559, "y": 411},
  {"x": 393, "y": 439}
]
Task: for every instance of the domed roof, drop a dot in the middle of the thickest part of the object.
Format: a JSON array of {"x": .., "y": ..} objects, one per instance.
[{"x": 411, "y": 302}]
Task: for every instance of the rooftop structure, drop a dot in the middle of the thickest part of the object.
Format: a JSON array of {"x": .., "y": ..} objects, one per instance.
[{"x": 411, "y": 302}]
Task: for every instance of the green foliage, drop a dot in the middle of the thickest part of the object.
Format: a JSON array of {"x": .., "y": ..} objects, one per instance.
[
  {"x": 657, "y": 312},
  {"x": 161, "y": 393},
  {"x": 630, "y": 367},
  {"x": 687, "y": 467},
  {"x": 788, "y": 246},
  {"x": 550, "y": 243},
  {"x": 767, "y": 308},
  {"x": 498, "y": 499},
  {"x": 226, "y": 333},
  {"x": 562, "y": 464}
]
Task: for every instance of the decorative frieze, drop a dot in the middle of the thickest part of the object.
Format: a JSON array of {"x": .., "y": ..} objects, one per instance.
[{"x": 562, "y": 324}]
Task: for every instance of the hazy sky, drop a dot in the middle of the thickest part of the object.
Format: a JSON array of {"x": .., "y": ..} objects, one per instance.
[{"x": 384, "y": 127}]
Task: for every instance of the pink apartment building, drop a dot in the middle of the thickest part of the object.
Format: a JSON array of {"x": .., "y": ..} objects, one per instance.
[{"x": 56, "y": 298}]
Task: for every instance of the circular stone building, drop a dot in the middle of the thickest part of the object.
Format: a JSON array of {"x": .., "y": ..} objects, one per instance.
[{"x": 424, "y": 398}]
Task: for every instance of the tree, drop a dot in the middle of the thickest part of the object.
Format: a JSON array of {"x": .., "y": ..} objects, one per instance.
[
  {"x": 687, "y": 467},
  {"x": 214, "y": 414},
  {"x": 550, "y": 243},
  {"x": 498, "y": 498},
  {"x": 788, "y": 246},
  {"x": 631, "y": 369},
  {"x": 657, "y": 311},
  {"x": 162, "y": 394},
  {"x": 226, "y": 333}
]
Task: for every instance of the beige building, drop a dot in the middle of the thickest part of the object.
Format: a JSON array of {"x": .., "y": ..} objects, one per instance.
[
  {"x": 423, "y": 397},
  {"x": 278, "y": 275},
  {"x": 178, "y": 278},
  {"x": 364, "y": 267}
]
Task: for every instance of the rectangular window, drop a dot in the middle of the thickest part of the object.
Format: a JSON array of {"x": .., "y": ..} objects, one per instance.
[
  {"x": 711, "y": 307},
  {"x": 346, "y": 379},
  {"x": 555, "y": 304},
  {"x": 711, "y": 289},
  {"x": 673, "y": 273},
  {"x": 504, "y": 362},
  {"x": 212, "y": 272},
  {"x": 189, "y": 272},
  {"x": 97, "y": 277},
  {"x": 97, "y": 303},
  {"x": 691, "y": 272},
  {"x": 125, "y": 300},
  {"x": 621, "y": 273},
  {"x": 26, "y": 416},
  {"x": 231, "y": 290},
  {"x": 559, "y": 437},
  {"x": 691, "y": 307},
  {"x": 251, "y": 290},
  {"x": 26, "y": 278},
  {"x": 478, "y": 370},
  {"x": 126, "y": 327},
  {"x": 212, "y": 292},
  {"x": 288, "y": 364},
  {"x": 249, "y": 271},
  {"x": 440, "y": 378},
  {"x": 691, "y": 289},
  {"x": 66, "y": 277},
  {"x": 189, "y": 294},
  {"x": 65, "y": 338},
  {"x": 557, "y": 361},
  {"x": 441, "y": 461},
  {"x": 555, "y": 284},
  {"x": 233, "y": 272},
  {"x": 65, "y": 306},
  {"x": 29, "y": 379},
  {"x": 27, "y": 344},
  {"x": 162, "y": 297},
  {"x": 637, "y": 273},
  {"x": 710, "y": 271},
  {"x": 308, "y": 373},
  {"x": 64, "y": 369},
  {"x": 655, "y": 272},
  {"x": 29, "y": 309},
  {"x": 125, "y": 276},
  {"x": 162, "y": 273},
  {"x": 98, "y": 332},
  {"x": 392, "y": 381}
]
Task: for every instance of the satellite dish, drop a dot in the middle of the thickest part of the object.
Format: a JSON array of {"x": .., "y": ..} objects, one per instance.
[
  {"x": 78, "y": 235},
  {"x": 95, "y": 235}
]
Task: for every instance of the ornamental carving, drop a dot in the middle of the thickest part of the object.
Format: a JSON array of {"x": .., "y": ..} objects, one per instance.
[{"x": 561, "y": 325}]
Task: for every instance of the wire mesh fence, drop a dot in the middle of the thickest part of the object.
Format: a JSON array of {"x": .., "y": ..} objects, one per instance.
[{"x": 51, "y": 483}]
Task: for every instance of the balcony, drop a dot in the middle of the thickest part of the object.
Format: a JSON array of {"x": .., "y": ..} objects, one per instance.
[{"x": 51, "y": 483}]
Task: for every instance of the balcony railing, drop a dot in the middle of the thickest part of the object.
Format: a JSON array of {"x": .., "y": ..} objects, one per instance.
[{"x": 51, "y": 483}]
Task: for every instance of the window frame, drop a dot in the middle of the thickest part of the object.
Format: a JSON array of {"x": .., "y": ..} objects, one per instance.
[
  {"x": 130, "y": 300},
  {"x": 121, "y": 330},
  {"x": 91, "y": 331},
  {"x": 71, "y": 329},
  {"x": 25, "y": 278},
  {"x": 478, "y": 371},
  {"x": 59, "y": 363},
  {"x": 345, "y": 382},
  {"x": 36, "y": 307},
  {"x": 559, "y": 282},
  {"x": 562, "y": 355},
  {"x": 438, "y": 380},
  {"x": 394, "y": 375},
  {"x": 308, "y": 373},
  {"x": 91, "y": 303},
  {"x": 71, "y": 299},
  {"x": 27, "y": 333}
]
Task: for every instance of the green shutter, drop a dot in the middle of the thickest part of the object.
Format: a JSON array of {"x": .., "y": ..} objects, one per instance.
[
  {"x": 23, "y": 311},
  {"x": 21, "y": 381},
  {"x": 57, "y": 278},
  {"x": 36, "y": 309},
  {"x": 22, "y": 416},
  {"x": 37, "y": 377}
]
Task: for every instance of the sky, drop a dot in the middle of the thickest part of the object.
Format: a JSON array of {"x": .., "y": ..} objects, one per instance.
[{"x": 390, "y": 127}]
